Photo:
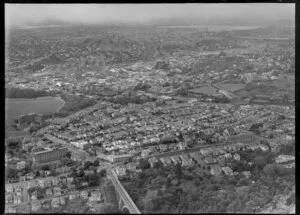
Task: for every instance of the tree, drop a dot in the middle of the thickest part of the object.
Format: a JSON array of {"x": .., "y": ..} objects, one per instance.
[
  {"x": 178, "y": 171},
  {"x": 68, "y": 154},
  {"x": 87, "y": 164},
  {"x": 31, "y": 190},
  {"x": 96, "y": 163},
  {"x": 102, "y": 173},
  {"x": 94, "y": 180},
  {"x": 260, "y": 161},
  {"x": 45, "y": 167},
  {"x": 168, "y": 183},
  {"x": 143, "y": 164},
  {"x": 109, "y": 209},
  {"x": 11, "y": 173}
]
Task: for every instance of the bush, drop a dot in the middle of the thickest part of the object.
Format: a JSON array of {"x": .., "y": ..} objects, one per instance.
[
  {"x": 291, "y": 199},
  {"x": 274, "y": 170},
  {"x": 143, "y": 164},
  {"x": 45, "y": 167}
]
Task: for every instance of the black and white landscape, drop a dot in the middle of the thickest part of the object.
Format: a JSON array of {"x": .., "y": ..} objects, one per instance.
[{"x": 161, "y": 108}]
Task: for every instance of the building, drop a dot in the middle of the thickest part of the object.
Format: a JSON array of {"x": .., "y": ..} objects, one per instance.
[
  {"x": 118, "y": 158},
  {"x": 227, "y": 170},
  {"x": 210, "y": 160},
  {"x": 49, "y": 155},
  {"x": 215, "y": 170},
  {"x": 247, "y": 174},
  {"x": 242, "y": 138},
  {"x": 84, "y": 194},
  {"x": 21, "y": 165},
  {"x": 120, "y": 171},
  {"x": 236, "y": 157},
  {"x": 95, "y": 196},
  {"x": 152, "y": 161},
  {"x": 55, "y": 203},
  {"x": 35, "y": 205},
  {"x": 285, "y": 159},
  {"x": 145, "y": 153}
]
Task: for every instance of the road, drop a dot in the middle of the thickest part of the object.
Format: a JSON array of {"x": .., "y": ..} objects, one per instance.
[
  {"x": 184, "y": 151},
  {"x": 123, "y": 193}
]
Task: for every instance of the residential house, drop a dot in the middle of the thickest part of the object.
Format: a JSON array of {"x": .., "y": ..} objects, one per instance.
[
  {"x": 210, "y": 160},
  {"x": 55, "y": 181},
  {"x": 263, "y": 147},
  {"x": 70, "y": 180},
  {"x": 152, "y": 161},
  {"x": 35, "y": 205},
  {"x": 145, "y": 153},
  {"x": 62, "y": 200},
  {"x": 34, "y": 195},
  {"x": 215, "y": 170},
  {"x": 285, "y": 159},
  {"x": 30, "y": 176},
  {"x": 49, "y": 192},
  {"x": 32, "y": 183},
  {"x": 23, "y": 178},
  {"x": 9, "y": 188},
  {"x": 175, "y": 159},
  {"x": 205, "y": 152},
  {"x": 236, "y": 156},
  {"x": 48, "y": 182},
  {"x": 11, "y": 210},
  {"x": 17, "y": 199},
  {"x": 227, "y": 155},
  {"x": 73, "y": 195},
  {"x": 55, "y": 203},
  {"x": 41, "y": 183},
  {"x": 8, "y": 198},
  {"x": 72, "y": 186},
  {"x": 165, "y": 160},
  {"x": 120, "y": 171},
  {"x": 131, "y": 166},
  {"x": 227, "y": 170},
  {"x": 57, "y": 191},
  {"x": 63, "y": 179},
  {"x": 84, "y": 194},
  {"x": 185, "y": 160},
  {"x": 163, "y": 147},
  {"x": 247, "y": 174},
  {"x": 95, "y": 196},
  {"x": 182, "y": 145}
]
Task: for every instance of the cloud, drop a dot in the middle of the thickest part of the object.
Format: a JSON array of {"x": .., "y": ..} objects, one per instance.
[{"x": 93, "y": 13}]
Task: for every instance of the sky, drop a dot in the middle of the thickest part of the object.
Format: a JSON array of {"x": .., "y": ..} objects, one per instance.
[{"x": 19, "y": 14}]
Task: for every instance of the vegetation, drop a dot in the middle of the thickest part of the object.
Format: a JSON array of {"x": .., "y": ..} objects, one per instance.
[
  {"x": 74, "y": 104},
  {"x": 25, "y": 93},
  {"x": 176, "y": 189}
]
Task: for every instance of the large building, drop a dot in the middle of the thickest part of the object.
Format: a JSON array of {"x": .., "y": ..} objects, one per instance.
[
  {"x": 242, "y": 138},
  {"x": 49, "y": 155}
]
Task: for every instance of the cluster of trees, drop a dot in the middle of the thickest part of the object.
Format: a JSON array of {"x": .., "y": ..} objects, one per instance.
[
  {"x": 142, "y": 86},
  {"x": 88, "y": 164},
  {"x": 126, "y": 99},
  {"x": 158, "y": 189},
  {"x": 24, "y": 93},
  {"x": 74, "y": 104}
]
